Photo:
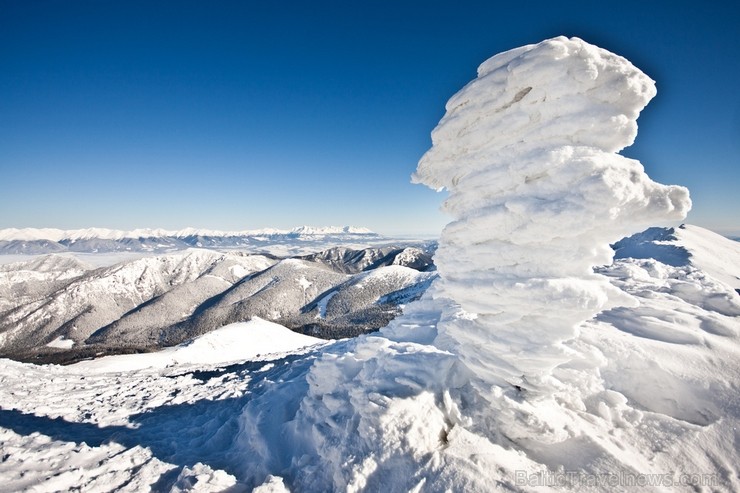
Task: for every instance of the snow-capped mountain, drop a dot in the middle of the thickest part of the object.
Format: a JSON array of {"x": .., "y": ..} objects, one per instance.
[
  {"x": 352, "y": 261},
  {"x": 58, "y": 307},
  {"x": 25, "y": 282},
  {"x": 52, "y": 234},
  {"x": 96, "y": 298},
  {"x": 47, "y": 240}
]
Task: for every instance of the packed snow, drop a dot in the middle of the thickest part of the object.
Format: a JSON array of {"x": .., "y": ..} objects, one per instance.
[
  {"x": 231, "y": 343},
  {"x": 161, "y": 421},
  {"x": 533, "y": 363}
]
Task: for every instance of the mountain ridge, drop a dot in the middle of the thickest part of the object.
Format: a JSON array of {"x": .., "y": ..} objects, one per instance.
[
  {"x": 60, "y": 308},
  {"x": 55, "y": 234},
  {"x": 33, "y": 241}
]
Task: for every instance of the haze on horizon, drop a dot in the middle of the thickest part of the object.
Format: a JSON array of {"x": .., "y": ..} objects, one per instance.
[{"x": 252, "y": 114}]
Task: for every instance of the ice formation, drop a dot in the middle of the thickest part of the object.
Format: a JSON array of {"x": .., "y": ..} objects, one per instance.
[{"x": 529, "y": 154}]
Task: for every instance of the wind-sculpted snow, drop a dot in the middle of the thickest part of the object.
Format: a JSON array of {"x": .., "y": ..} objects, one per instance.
[
  {"x": 712, "y": 253},
  {"x": 527, "y": 152}
]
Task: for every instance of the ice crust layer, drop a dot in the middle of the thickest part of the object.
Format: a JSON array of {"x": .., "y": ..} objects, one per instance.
[{"x": 528, "y": 153}]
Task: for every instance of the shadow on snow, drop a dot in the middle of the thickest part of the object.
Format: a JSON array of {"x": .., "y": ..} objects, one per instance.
[{"x": 182, "y": 434}]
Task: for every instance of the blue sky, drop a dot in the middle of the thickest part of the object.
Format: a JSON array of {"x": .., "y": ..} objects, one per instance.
[{"x": 240, "y": 115}]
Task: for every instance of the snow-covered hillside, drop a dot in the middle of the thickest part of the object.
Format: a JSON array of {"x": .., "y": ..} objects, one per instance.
[
  {"x": 99, "y": 297},
  {"x": 57, "y": 308},
  {"x": 686, "y": 245},
  {"x": 533, "y": 363},
  {"x": 24, "y": 282}
]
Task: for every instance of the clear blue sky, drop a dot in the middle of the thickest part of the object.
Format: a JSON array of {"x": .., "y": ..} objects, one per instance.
[{"x": 235, "y": 115}]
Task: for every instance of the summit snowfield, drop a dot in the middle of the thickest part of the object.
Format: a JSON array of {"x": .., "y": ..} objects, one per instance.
[
  {"x": 653, "y": 387},
  {"x": 562, "y": 346}
]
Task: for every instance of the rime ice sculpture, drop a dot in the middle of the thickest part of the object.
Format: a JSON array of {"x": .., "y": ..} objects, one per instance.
[{"x": 528, "y": 153}]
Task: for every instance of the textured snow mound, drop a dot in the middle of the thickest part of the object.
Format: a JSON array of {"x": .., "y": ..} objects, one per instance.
[
  {"x": 234, "y": 342},
  {"x": 527, "y": 152},
  {"x": 686, "y": 245}
]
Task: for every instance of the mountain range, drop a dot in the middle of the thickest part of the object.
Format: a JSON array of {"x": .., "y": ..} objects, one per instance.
[
  {"x": 57, "y": 307},
  {"x": 33, "y": 241}
]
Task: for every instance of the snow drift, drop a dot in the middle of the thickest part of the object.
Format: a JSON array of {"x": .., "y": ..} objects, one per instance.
[
  {"x": 527, "y": 152},
  {"x": 231, "y": 343}
]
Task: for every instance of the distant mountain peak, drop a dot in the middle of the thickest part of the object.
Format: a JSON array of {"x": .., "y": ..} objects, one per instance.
[
  {"x": 53, "y": 234},
  {"x": 331, "y": 230}
]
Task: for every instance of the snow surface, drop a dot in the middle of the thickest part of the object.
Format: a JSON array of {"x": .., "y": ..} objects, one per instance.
[
  {"x": 642, "y": 397},
  {"x": 712, "y": 253},
  {"x": 161, "y": 421},
  {"x": 61, "y": 343},
  {"x": 650, "y": 395},
  {"x": 234, "y": 342}
]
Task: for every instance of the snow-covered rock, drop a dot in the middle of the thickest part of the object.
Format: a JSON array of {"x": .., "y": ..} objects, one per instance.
[{"x": 527, "y": 152}]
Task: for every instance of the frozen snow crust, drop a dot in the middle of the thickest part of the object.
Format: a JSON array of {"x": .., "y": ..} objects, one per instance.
[{"x": 527, "y": 152}]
